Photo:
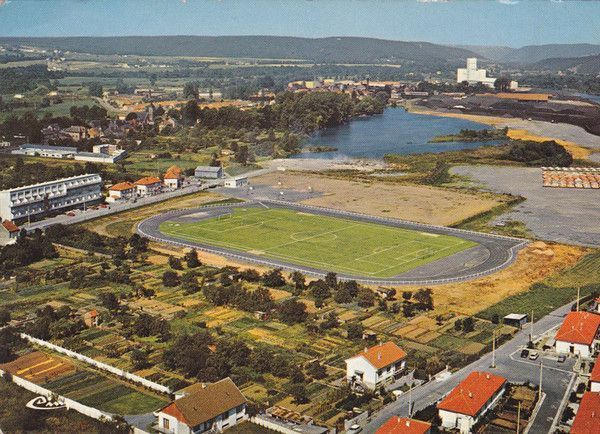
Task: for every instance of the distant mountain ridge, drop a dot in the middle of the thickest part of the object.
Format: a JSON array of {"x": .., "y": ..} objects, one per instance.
[
  {"x": 582, "y": 65},
  {"x": 536, "y": 53},
  {"x": 322, "y": 50},
  {"x": 489, "y": 52}
]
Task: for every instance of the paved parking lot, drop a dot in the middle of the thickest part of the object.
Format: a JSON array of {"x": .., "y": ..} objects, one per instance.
[{"x": 564, "y": 215}]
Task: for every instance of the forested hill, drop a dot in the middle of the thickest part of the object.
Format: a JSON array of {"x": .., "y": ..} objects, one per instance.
[
  {"x": 583, "y": 65},
  {"x": 330, "y": 50},
  {"x": 536, "y": 53}
]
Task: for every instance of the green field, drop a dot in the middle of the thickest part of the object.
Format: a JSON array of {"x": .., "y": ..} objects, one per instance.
[{"x": 325, "y": 243}]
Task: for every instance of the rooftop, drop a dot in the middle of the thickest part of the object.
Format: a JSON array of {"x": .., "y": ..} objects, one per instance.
[
  {"x": 149, "y": 180},
  {"x": 587, "y": 420},
  {"x": 208, "y": 168},
  {"x": 122, "y": 186},
  {"x": 579, "y": 328},
  {"x": 10, "y": 226},
  {"x": 205, "y": 402},
  {"x": 470, "y": 395},
  {"x": 383, "y": 355},
  {"x": 595, "y": 374},
  {"x": 403, "y": 425}
]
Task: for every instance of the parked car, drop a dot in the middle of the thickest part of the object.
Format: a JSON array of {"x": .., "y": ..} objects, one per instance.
[
  {"x": 354, "y": 429},
  {"x": 534, "y": 355},
  {"x": 562, "y": 358},
  {"x": 524, "y": 354}
]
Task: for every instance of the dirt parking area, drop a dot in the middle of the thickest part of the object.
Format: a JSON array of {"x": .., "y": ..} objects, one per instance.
[
  {"x": 415, "y": 203},
  {"x": 562, "y": 215}
]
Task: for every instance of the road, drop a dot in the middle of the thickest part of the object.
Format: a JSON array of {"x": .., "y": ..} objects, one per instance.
[{"x": 555, "y": 379}]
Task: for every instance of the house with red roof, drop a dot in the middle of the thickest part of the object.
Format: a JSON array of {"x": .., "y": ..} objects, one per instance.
[
  {"x": 203, "y": 407},
  {"x": 404, "y": 425},
  {"x": 587, "y": 419},
  {"x": 595, "y": 376},
  {"x": 148, "y": 186},
  {"x": 578, "y": 334},
  {"x": 91, "y": 318},
  {"x": 122, "y": 191},
  {"x": 376, "y": 366},
  {"x": 9, "y": 232},
  {"x": 173, "y": 177},
  {"x": 462, "y": 408}
]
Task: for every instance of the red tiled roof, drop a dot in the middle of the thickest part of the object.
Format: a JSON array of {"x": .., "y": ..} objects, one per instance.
[
  {"x": 10, "y": 226},
  {"x": 173, "y": 172},
  {"x": 383, "y": 355},
  {"x": 587, "y": 419},
  {"x": 472, "y": 393},
  {"x": 579, "y": 328},
  {"x": 149, "y": 180},
  {"x": 403, "y": 425},
  {"x": 122, "y": 186},
  {"x": 595, "y": 375}
]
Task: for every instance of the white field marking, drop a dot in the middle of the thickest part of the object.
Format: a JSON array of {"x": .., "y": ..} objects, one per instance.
[
  {"x": 293, "y": 236},
  {"x": 408, "y": 262},
  {"x": 333, "y": 231},
  {"x": 307, "y": 214},
  {"x": 429, "y": 234},
  {"x": 378, "y": 251}
]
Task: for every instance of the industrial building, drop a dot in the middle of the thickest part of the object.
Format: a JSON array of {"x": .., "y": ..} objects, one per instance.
[
  {"x": 38, "y": 200},
  {"x": 472, "y": 75}
]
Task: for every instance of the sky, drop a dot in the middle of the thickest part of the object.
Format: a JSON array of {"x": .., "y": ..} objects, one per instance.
[{"x": 478, "y": 22}]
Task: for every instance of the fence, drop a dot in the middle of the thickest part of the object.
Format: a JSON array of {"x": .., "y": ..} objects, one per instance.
[
  {"x": 519, "y": 243},
  {"x": 100, "y": 365},
  {"x": 69, "y": 403}
]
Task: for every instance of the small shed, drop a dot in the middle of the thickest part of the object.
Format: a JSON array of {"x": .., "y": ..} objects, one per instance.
[
  {"x": 236, "y": 182},
  {"x": 515, "y": 319}
]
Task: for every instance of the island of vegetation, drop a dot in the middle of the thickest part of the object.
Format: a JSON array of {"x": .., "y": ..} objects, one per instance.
[{"x": 484, "y": 135}]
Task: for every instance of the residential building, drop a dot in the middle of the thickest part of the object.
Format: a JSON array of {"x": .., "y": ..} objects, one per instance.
[
  {"x": 578, "y": 334},
  {"x": 404, "y": 425},
  {"x": 173, "y": 177},
  {"x": 236, "y": 182},
  {"x": 209, "y": 172},
  {"x": 470, "y": 400},
  {"x": 122, "y": 191},
  {"x": 9, "y": 232},
  {"x": 75, "y": 132},
  {"x": 47, "y": 151},
  {"x": 595, "y": 376},
  {"x": 91, "y": 319},
  {"x": 148, "y": 186},
  {"x": 50, "y": 197},
  {"x": 376, "y": 366},
  {"x": 203, "y": 407},
  {"x": 587, "y": 419}
]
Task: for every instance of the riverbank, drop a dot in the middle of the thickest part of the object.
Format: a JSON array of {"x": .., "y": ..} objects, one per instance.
[{"x": 576, "y": 140}]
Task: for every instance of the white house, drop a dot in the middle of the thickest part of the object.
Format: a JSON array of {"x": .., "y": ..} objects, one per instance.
[
  {"x": 9, "y": 232},
  {"x": 376, "y": 366},
  {"x": 173, "y": 177},
  {"x": 203, "y": 407},
  {"x": 122, "y": 191},
  {"x": 236, "y": 182},
  {"x": 470, "y": 400},
  {"x": 578, "y": 334},
  {"x": 148, "y": 186}
]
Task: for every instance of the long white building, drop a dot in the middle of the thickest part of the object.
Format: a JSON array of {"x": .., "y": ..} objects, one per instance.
[
  {"x": 50, "y": 197},
  {"x": 472, "y": 75}
]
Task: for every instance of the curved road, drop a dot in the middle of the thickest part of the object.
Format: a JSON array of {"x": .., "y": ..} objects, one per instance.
[{"x": 492, "y": 253}]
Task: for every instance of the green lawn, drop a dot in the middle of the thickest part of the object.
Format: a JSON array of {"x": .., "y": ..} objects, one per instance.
[{"x": 326, "y": 243}]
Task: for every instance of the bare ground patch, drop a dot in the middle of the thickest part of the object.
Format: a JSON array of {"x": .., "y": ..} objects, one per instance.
[{"x": 416, "y": 203}]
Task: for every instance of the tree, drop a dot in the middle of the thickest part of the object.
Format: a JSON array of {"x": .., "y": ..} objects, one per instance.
[
  {"x": 242, "y": 155},
  {"x": 292, "y": 312},
  {"x": 139, "y": 359},
  {"x": 95, "y": 89},
  {"x": 458, "y": 325},
  {"x": 468, "y": 325},
  {"x": 342, "y": 295},
  {"x": 189, "y": 353},
  {"x": 4, "y": 317},
  {"x": 502, "y": 84},
  {"x": 424, "y": 298},
  {"x": 274, "y": 278},
  {"x": 366, "y": 297},
  {"x": 191, "y": 259},
  {"x": 175, "y": 263},
  {"x": 298, "y": 392},
  {"x": 316, "y": 370},
  {"x": 406, "y": 296},
  {"x": 170, "y": 278},
  {"x": 189, "y": 283},
  {"x": 109, "y": 300},
  {"x": 190, "y": 90},
  {"x": 355, "y": 330},
  {"x": 331, "y": 280},
  {"x": 299, "y": 281}
]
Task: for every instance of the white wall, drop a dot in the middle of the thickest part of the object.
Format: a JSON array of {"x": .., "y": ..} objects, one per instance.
[
  {"x": 578, "y": 349},
  {"x": 463, "y": 422},
  {"x": 370, "y": 377},
  {"x": 595, "y": 385}
]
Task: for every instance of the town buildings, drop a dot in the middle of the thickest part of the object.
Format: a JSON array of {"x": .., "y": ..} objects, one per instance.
[
  {"x": 148, "y": 186},
  {"x": 462, "y": 408},
  {"x": 173, "y": 178},
  {"x": 209, "y": 172},
  {"x": 102, "y": 153},
  {"x": 376, "y": 366},
  {"x": 578, "y": 334},
  {"x": 38, "y": 200},
  {"x": 404, "y": 425},
  {"x": 122, "y": 191},
  {"x": 9, "y": 232},
  {"x": 203, "y": 407},
  {"x": 473, "y": 75}
]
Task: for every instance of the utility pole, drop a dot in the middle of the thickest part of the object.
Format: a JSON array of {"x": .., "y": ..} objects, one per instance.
[
  {"x": 494, "y": 348},
  {"x": 540, "y": 387},
  {"x": 518, "y": 416},
  {"x": 531, "y": 332},
  {"x": 410, "y": 401},
  {"x": 578, "y": 289}
]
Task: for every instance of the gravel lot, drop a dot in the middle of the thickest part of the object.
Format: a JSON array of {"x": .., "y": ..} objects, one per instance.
[{"x": 564, "y": 215}]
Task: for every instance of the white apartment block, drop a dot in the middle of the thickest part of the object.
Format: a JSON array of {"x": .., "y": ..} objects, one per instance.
[{"x": 50, "y": 197}]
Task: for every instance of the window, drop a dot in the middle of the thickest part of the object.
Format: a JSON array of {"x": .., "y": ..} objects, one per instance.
[{"x": 165, "y": 423}]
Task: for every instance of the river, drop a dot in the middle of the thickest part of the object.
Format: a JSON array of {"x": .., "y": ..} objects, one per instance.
[{"x": 396, "y": 131}]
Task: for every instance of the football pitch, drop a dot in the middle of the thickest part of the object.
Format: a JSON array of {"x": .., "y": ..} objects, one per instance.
[{"x": 322, "y": 242}]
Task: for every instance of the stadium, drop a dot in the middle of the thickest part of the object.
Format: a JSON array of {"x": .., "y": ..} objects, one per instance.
[{"x": 316, "y": 240}]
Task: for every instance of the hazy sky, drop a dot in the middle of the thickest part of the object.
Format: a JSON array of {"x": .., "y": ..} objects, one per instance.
[{"x": 486, "y": 22}]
